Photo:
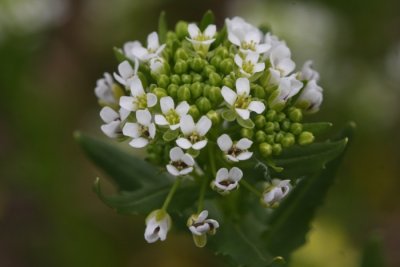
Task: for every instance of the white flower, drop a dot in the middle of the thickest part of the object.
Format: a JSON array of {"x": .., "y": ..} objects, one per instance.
[
  {"x": 193, "y": 133},
  {"x": 113, "y": 121},
  {"x": 141, "y": 131},
  {"x": 235, "y": 151},
  {"x": 249, "y": 65},
  {"x": 275, "y": 192},
  {"x": 288, "y": 87},
  {"x": 241, "y": 100},
  {"x": 127, "y": 49},
  {"x": 245, "y": 36},
  {"x": 201, "y": 41},
  {"x": 181, "y": 163},
  {"x": 172, "y": 116},
  {"x": 227, "y": 181},
  {"x": 139, "y": 99},
  {"x": 153, "y": 49},
  {"x": 158, "y": 224},
  {"x": 103, "y": 90},
  {"x": 157, "y": 65},
  {"x": 126, "y": 73},
  {"x": 200, "y": 225},
  {"x": 311, "y": 97},
  {"x": 308, "y": 73}
]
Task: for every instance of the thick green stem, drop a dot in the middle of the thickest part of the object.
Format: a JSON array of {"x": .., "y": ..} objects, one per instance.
[
  {"x": 171, "y": 194},
  {"x": 250, "y": 188}
]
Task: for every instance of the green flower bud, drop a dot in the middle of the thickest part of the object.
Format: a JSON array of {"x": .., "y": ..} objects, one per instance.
[
  {"x": 181, "y": 54},
  {"x": 175, "y": 79},
  {"x": 117, "y": 91},
  {"x": 288, "y": 140},
  {"x": 259, "y": 91},
  {"x": 260, "y": 136},
  {"x": 163, "y": 81},
  {"x": 160, "y": 92},
  {"x": 214, "y": 94},
  {"x": 184, "y": 93},
  {"x": 226, "y": 66},
  {"x": 180, "y": 66},
  {"x": 203, "y": 104},
  {"x": 222, "y": 52},
  {"x": 197, "y": 64},
  {"x": 270, "y": 138},
  {"x": 171, "y": 36},
  {"x": 214, "y": 79},
  {"x": 152, "y": 87},
  {"x": 186, "y": 78},
  {"x": 264, "y": 79},
  {"x": 270, "y": 115},
  {"x": 172, "y": 90},
  {"x": 214, "y": 117},
  {"x": 196, "y": 77},
  {"x": 215, "y": 61},
  {"x": 280, "y": 116},
  {"x": 196, "y": 89},
  {"x": 276, "y": 149},
  {"x": 228, "y": 82},
  {"x": 285, "y": 125},
  {"x": 259, "y": 121},
  {"x": 181, "y": 29},
  {"x": 269, "y": 127},
  {"x": 279, "y": 136},
  {"x": 247, "y": 133},
  {"x": 296, "y": 128},
  {"x": 265, "y": 149},
  {"x": 194, "y": 112},
  {"x": 305, "y": 138},
  {"x": 277, "y": 127},
  {"x": 208, "y": 70},
  {"x": 295, "y": 115}
]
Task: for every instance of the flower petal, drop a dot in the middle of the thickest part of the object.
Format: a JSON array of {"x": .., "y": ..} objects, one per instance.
[
  {"x": 152, "y": 41},
  {"x": 193, "y": 30},
  {"x": 199, "y": 145},
  {"x": 244, "y": 155},
  {"x": 187, "y": 159},
  {"x": 186, "y": 170},
  {"x": 235, "y": 174},
  {"x": 244, "y": 113},
  {"x": 224, "y": 142},
  {"x": 243, "y": 86},
  {"x": 166, "y": 103},
  {"x": 131, "y": 129},
  {"x": 210, "y": 31},
  {"x": 151, "y": 100},
  {"x": 172, "y": 170},
  {"x": 244, "y": 144},
  {"x": 232, "y": 158},
  {"x": 256, "y": 106},
  {"x": 108, "y": 115},
  {"x": 160, "y": 120},
  {"x": 203, "y": 125},
  {"x": 202, "y": 216},
  {"x": 176, "y": 154},
  {"x": 125, "y": 70},
  {"x": 137, "y": 87},
  {"x": 222, "y": 174},
  {"x": 111, "y": 129},
  {"x": 229, "y": 95},
  {"x": 127, "y": 103},
  {"x": 152, "y": 130},
  {"x": 182, "y": 108},
  {"x": 139, "y": 142},
  {"x": 183, "y": 143},
  {"x": 258, "y": 67},
  {"x": 238, "y": 60},
  {"x": 187, "y": 125},
  {"x": 143, "y": 116}
]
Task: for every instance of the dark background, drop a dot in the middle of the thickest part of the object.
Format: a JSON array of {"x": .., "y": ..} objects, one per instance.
[{"x": 52, "y": 52}]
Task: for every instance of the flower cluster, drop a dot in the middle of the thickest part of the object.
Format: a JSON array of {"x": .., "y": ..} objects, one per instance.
[{"x": 202, "y": 101}]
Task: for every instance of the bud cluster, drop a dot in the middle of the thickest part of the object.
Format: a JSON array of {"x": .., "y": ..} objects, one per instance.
[{"x": 202, "y": 100}]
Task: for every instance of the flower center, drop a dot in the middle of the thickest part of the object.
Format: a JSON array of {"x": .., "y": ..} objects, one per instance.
[
  {"x": 248, "y": 66},
  {"x": 180, "y": 165},
  {"x": 234, "y": 151},
  {"x": 242, "y": 101},
  {"x": 201, "y": 37},
  {"x": 140, "y": 101},
  {"x": 194, "y": 137},
  {"x": 249, "y": 45},
  {"x": 145, "y": 131},
  {"x": 226, "y": 182},
  {"x": 172, "y": 117}
]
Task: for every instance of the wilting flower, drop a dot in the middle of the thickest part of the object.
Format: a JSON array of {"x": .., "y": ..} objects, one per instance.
[
  {"x": 126, "y": 73},
  {"x": 153, "y": 49},
  {"x": 281, "y": 63},
  {"x": 201, "y": 41},
  {"x": 141, "y": 131},
  {"x": 275, "y": 192},
  {"x": 139, "y": 99},
  {"x": 311, "y": 97},
  {"x": 113, "y": 121},
  {"x": 158, "y": 224},
  {"x": 241, "y": 100},
  {"x": 194, "y": 134},
  {"x": 249, "y": 65},
  {"x": 235, "y": 151},
  {"x": 200, "y": 226},
  {"x": 288, "y": 87},
  {"x": 104, "y": 90},
  {"x": 181, "y": 163},
  {"x": 308, "y": 73},
  {"x": 171, "y": 115},
  {"x": 226, "y": 181}
]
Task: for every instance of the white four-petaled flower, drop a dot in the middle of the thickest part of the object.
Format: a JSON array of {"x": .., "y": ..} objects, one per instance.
[
  {"x": 194, "y": 134},
  {"x": 141, "y": 131},
  {"x": 200, "y": 225},
  {"x": 311, "y": 97},
  {"x": 226, "y": 181},
  {"x": 153, "y": 49},
  {"x": 241, "y": 100},
  {"x": 139, "y": 99},
  {"x": 235, "y": 151},
  {"x": 201, "y": 41},
  {"x": 249, "y": 65},
  {"x": 126, "y": 73},
  {"x": 113, "y": 121},
  {"x": 103, "y": 90},
  {"x": 171, "y": 115},
  {"x": 288, "y": 87},
  {"x": 158, "y": 224},
  {"x": 275, "y": 192},
  {"x": 181, "y": 163}
]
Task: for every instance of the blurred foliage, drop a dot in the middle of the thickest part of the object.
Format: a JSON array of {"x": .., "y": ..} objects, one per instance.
[{"x": 48, "y": 214}]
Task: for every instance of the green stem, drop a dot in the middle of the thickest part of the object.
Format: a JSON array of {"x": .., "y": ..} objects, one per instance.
[
  {"x": 250, "y": 188},
  {"x": 203, "y": 188},
  {"x": 211, "y": 154},
  {"x": 171, "y": 194}
]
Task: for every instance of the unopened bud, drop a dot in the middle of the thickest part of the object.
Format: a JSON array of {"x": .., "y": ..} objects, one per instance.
[
  {"x": 285, "y": 125},
  {"x": 186, "y": 78},
  {"x": 276, "y": 149},
  {"x": 203, "y": 104},
  {"x": 163, "y": 81},
  {"x": 214, "y": 94},
  {"x": 247, "y": 133},
  {"x": 280, "y": 116},
  {"x": 184, "y": 93},
  {"x": 172, "y": 90},
  {"x": 305, "y": 138},
  {"x": 194, "y": 112},
  {"x": 296, "y": 128},
  {"x": 181, "y": 54},
  {"x": 214, "y": 79},
  {"x": 208, "y": 70},
  {"x": 214, "y": 117},
  {"x": 175, "y": 79},
  {"x": 288, "y": 140},
  {"x": 270, "y": 138},
  {"x": 270, "y": 115},
  {"x": 196, "y": 77},
  {"x": 260, "y": 136},
  {"x": 228, "y": 82},
  {"x": 215, "y": 61},
  {"x": 222, "y": 52},
  {"x": 269, "y": 127},
  {"x": 197, "y": 64},
  {"x": 259, "y": 121},
  {"x": 196, "y": 89},
  {"x": 265, "y": 149},
  {"x": 160, "y": 92},
  {"x": 226, "y": 65},
  {"x": 259, "y": 91},
  {"x": 181, "y": 29},
  {"x": 295, "y": 115},
  {"x": 180, "y": 66}
]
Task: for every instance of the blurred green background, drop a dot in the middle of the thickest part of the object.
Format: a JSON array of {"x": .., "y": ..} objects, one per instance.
[{"x": 52, "y": 52}]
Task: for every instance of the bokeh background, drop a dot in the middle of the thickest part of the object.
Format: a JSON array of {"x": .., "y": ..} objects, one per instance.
[{"x": 52, "y": 52}]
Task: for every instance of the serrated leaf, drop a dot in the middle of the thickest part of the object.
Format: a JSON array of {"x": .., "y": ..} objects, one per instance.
[
  {"x": 170, "y": 135},
  {"x": 290, "y": 222},
  {"x": 162, "y": 27},
  {"x": 249, "y": 124},
  {"x": 228, "y": 115},
  {"x": 208, "y": 18},
  {"x": 373, "y": 255},
  {"x": 127, "y": 171},
  {"x": 317, "y": 128}
]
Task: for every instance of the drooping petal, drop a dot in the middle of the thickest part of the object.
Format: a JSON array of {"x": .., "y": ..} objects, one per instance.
[
  {"x": 244, "y": 155},
  {"x": 244, "y": 113},
  {"x": 187, "y": 125},
  {"x": 166, "y": 103},
  {"x": 160, "y": 120},
  {"x": 199, "y": 145},
  {"x": 224, "y": 142},
  {"x": 186, "y": 170},
  {"x": 151, "y": 100},
  {"x": 139, "y": 142},
  {"x": 187, "y": 159},
  {"x": 256, "y": 106},
  {"x": 203, "y": 125},
  {"x": 244, "y": 144},
  {"x": 183, "y": 143},
  {"x": 243, "y": 86},
  {"x": 108, "y": 115},
  {"x": 127, "y": 102},
  {"x": 202, "y": 216},
  {"x": 111, "y": 129},
  {"x": 172, "y": 170},
  {"x": 131, "y": 129},
  {"x": 229, "y": 95}
]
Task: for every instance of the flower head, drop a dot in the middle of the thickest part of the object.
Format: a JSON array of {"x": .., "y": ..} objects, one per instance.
[
  {"x": 113, "y": 121},
  {"x": 171, "y": 115},
  {"x": 241, "y": 100},
  {"x": 153, "y": 49},
  {"x": 226, "y": 181},
  {"x": 139, "y": 99},
  {"x": 249, "y": 65},
  {"x": 158, "y": 224},
  {"x": 235, "y": 151},
  {"x": 181, "y": 163},
  {"x": 141, "y": 131},
  {"x": 201, "y": 41},
  {"x": 194, "y": 134},
  {"x": 126, "y": 73},
  {"x": 275, "y": 192},
  {"x": 200, "y": 226}
]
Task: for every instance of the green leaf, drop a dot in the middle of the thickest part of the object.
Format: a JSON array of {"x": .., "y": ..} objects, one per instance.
[
  {"x": 208, "y": 18},
  {"x": 170, "y": 135},
  {"x": 127, "y": 171},
  {"x": 228, "y": 115},
  {"x": 290, "y": 222},
  {"x": 249, "y": 124},
  {"x": 162, "y": 27},
  {"x": 373, "y": 255},
  {"x": 317, "y": 128}
]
